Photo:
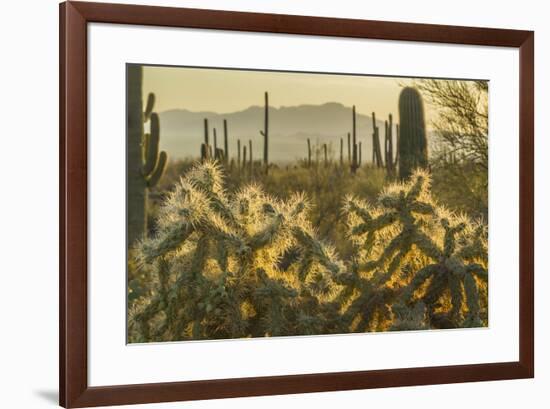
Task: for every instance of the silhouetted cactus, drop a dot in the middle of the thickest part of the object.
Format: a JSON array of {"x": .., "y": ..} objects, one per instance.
[
  {"x": 341, "y": 152},
  {"x": 265, "y": 132},
  {"x": 376, "y": 147},
  {"x": 238, "y": 154},
  {"x": 145, "y": 164},
  {"x": 397, "y": 137},
  {"x": 219, "y": 155},
  {"x": 308, "y": 153},
  {"x": 206, "y": 148},
  {"x": 215, "y": 139},
  {"x": 325, "y": 152},
  {"x": 391, "y": 163},
  {"x": 244, "y": 159},
  {"x": 225, "y": 141},
  {"x": 413, "y": 144},
  {"x": 250, "y": 160},
  {"x": 349, "y": 147},
  {"x": 355, "y": 159}
]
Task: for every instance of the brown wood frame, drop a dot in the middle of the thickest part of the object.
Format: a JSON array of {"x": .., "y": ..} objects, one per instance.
[{"x": 73, "y": 386}]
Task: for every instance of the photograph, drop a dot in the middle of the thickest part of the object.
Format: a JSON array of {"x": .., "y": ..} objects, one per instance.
[{"x": 264, "y": 203}]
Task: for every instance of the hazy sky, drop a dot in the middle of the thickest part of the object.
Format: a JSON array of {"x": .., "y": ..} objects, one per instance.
[{"x": 225, "y": 91}]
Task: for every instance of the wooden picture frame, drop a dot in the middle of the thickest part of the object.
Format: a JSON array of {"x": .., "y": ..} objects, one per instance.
[{"x": 73, "y": 229}]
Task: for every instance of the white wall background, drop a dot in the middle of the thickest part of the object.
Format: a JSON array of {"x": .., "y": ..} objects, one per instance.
[{"x": 29, "y": 212}]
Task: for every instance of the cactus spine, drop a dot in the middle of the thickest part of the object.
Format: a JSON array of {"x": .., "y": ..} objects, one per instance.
[
  {"x": 413, "y": 144},
  {"x": 265, "y": 132},
  {"x": 145, "y": 164}
]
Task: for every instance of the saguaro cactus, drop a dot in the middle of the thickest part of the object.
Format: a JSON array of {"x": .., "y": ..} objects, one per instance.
[
  {"x": 341, "y": 151},
  {"x": 325, "y": 152},
  {"x": 308, "y": 153},
  {"x": 145, "y": 164},
  {"x": 219, "y": 154},
  {"x": 215, "y": 139},
  {"x": 413, "y": 144},
  {"x": 238, "y": 154},
  {"x": 349, "y": 147},
  {"x": 225, "y": 141},
  {"x": 354, "y": 161},
  {"x": 376, "y": 149},
  {"x": 265, "y": 133},
  {"x": 250, "y": 160},
  {"x": 391, "y": 164},
  {"x": 206, "y": 149}
]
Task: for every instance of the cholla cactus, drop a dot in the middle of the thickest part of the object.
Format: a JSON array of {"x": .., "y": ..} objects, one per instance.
[
  {"x": 405, "y": 242},
  {"x": 214, "y": 265},
  {"x": 247, "y": 265},
  {"x": 456, "y": 276}
]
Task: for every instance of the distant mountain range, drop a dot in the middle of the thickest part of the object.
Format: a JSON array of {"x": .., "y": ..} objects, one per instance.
[{"x": 182, "y": 131}]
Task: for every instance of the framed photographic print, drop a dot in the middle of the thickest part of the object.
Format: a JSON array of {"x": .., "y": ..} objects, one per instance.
[{"x": 257, "y": 204}]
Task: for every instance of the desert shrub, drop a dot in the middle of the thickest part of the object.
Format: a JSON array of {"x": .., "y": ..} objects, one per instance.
[{"x": 462, "y": 184}]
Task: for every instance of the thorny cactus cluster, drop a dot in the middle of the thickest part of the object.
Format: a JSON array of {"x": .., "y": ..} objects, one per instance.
[
  {"x": 250, "y": 265},
  {"x": 418, "y": 265}
]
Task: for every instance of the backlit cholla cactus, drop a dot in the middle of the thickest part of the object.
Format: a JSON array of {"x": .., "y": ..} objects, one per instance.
[
  {"x": 216, "y": 269},
  {"x": 388, "y": 238},
  {"x": 451, "y": 284},
  {"x": 411, "y": 250}
]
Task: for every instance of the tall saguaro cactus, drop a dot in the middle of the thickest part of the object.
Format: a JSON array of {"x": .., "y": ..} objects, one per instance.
[
  {"x": 238, "y": 154},
  {"x": 341, "y": 152},
  {"x": 308, "y": 153},
  {"x": 206, "y": 149},
  {"x": 354, "y": 160},
  {"x": 265, "y": 132},
  {"x": 225, "y": 141},
  {"x": 215, "y": 139},
  {"x": 250, "y": 160},
  {"x": 244, "y": 159},
  {"x": 145, "y": 163},
  {"x": 349, "y": 147},
  {"x": 376, "y": 149},
  {"x": 413, "y": 143},
  {"x": 391, "y": 164}
]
